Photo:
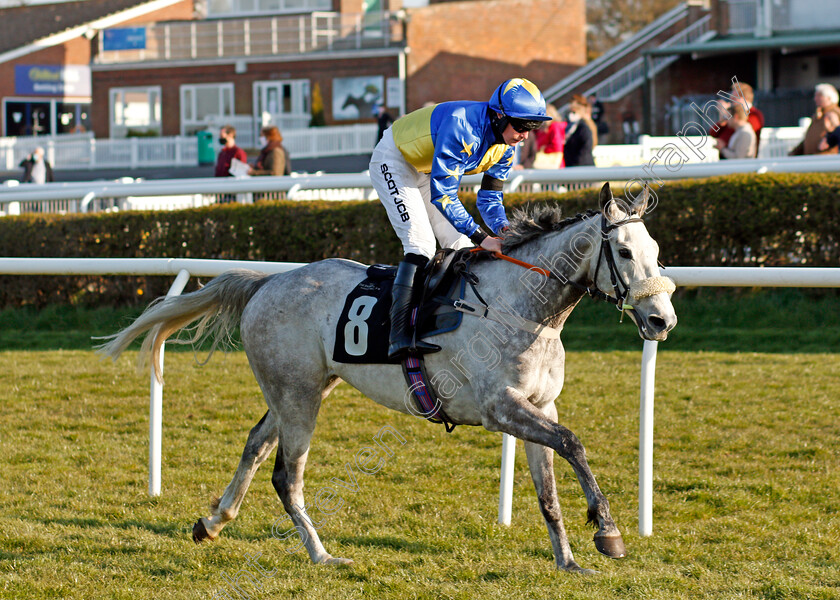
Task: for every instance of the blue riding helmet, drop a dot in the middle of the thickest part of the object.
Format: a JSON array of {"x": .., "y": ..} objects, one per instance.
[{"x": 520, "y": 100}]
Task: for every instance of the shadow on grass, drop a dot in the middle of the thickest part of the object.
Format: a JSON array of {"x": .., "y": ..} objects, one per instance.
[
  {"x": 174, "y": 530},
  {"x": 390, "y": 542}
]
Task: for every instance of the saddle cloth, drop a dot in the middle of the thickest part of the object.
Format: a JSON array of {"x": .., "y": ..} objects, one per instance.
[{"x": 363, "y": 327}]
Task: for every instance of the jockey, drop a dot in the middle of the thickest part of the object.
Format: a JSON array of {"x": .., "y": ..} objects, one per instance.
[{"x": 416, "y": 169}]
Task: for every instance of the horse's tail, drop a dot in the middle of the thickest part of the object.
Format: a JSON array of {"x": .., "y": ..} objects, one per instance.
[{"x": 219, "y": 304}]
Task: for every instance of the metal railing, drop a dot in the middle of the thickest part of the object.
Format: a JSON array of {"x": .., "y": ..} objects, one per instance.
[
  {"x": 754, "y": 17},
  {"x": 632, "y": 75},
  {"x": 616, "y": 53},
  {"x": 259, "y": 36}
]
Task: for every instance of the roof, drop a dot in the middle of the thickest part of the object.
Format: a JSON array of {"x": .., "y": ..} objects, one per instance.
[
  {"x": 22, "y": 25},
  {"x": 729, "y": 45}
]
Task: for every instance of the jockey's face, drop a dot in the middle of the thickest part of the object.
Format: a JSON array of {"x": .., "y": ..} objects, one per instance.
[{"x": 513, "y": 137}]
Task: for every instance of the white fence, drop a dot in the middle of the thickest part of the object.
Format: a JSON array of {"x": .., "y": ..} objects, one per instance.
[
  {"x": 184, "y": 268},
  {"x": 85, "y": 152},
  {"x": 75, "y": 152}
]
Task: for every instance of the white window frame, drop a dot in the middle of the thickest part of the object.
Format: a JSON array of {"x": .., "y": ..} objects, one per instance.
[
  {"x": 188, "y": 107},
  {"x": 299, "y": 115},
  {"x": 251, "y": 8},
  {"x": 155, "y": 102}
]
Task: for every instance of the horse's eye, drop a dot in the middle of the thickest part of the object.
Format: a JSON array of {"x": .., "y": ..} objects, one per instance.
[{"x": 625, "y": 253}]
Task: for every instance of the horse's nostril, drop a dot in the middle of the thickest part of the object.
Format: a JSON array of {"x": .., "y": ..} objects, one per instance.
[{"x": 657, "y": 322}]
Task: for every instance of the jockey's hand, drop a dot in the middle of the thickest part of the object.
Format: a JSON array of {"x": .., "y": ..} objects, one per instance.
[{"x": 492, "y": 244}]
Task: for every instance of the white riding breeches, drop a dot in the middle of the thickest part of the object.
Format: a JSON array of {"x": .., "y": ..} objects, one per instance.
[{"x": 406, "y": 196}]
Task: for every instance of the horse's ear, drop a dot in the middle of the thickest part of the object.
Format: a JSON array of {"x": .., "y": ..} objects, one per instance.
[
  {"x": 642, "y": 200},
  {"x": 609, "y": 207},
  {"x": 606, "y": 196}
]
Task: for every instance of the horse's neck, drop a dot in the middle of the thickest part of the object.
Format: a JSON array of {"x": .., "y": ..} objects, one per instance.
[{"x": 571, "y": 253}]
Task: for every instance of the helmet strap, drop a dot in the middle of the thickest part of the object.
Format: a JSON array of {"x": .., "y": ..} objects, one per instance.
[{"x": 498, "y": 124}]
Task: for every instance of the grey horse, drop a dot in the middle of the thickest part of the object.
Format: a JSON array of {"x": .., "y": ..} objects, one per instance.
[{"x": 288, "y": 322}]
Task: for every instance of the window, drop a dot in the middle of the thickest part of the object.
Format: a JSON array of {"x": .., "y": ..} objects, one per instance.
[
  {"x": 135, "y": 109},
  {"x": 226, "y": 8},
  {"x": 205, "y": 105},
  {"x": 283, "y": 103}
]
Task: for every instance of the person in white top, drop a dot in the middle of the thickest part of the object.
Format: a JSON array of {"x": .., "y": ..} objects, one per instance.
[{"x": 743, "y": 143}]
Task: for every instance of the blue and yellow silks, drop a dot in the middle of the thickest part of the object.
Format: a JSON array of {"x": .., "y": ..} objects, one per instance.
[{"x": 453, "y": 139}]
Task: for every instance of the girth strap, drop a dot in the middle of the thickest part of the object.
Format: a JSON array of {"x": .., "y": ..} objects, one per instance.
[{"x": 414, "y": 369}]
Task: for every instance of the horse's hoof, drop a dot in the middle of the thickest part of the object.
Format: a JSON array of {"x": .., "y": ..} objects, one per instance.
[
  {"x": 612, "y": 546},
  {"x": 200, "y": 533},
  {"x": 338, "y": 561},
  {"x": 576, "y": 568}
]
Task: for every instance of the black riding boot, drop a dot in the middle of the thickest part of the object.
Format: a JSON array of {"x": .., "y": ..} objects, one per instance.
[{"x": 401, "y": 341}]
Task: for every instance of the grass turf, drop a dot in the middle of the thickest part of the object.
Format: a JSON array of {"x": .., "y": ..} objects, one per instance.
[{"x": 745, "y": 486}]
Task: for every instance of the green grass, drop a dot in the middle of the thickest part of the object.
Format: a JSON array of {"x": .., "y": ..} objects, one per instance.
[{"x": 745, "y": 486}]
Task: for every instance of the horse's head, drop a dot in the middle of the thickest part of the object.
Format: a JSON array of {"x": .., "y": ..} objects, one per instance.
[{"x": 627, "y": 268}]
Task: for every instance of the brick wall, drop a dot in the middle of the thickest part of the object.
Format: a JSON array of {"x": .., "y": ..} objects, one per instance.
[
  {"x": 172, "y": 78},
  {"x": 463, "y": 50}
]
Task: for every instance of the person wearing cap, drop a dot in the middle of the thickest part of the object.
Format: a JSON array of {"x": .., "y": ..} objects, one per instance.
[{"x": 416, "y": 169}]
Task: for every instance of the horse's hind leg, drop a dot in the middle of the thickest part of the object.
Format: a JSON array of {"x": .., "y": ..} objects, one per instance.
[
  {"x": 287, "y": 479},
  {"x": 261, "y": 441}
]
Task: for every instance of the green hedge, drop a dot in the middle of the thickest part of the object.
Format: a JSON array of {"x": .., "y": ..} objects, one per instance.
[{"x": 766, "y": 219}]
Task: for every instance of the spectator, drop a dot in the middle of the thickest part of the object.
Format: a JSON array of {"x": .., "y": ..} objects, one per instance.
[
  {"x": 721, "y": 130},
  {"x": 580, "y": 134},
  {"x": 229, "y": 151},
  {"x": 274, "y": 158},
  {"x": 755, "y": 116},
  {"x": 35, "y": 168},
  {"x": 831, "y": 140},
  {"x": 630, "y": 126},
  {"x": 602, "y": 128},
  {"x": 527, "y": 153},
  {"x": 825, "y": 120},
  {"x": 743, "y": 142},
  {"x": 550, "y": 139},
  {"x": 383, "y": 120}
]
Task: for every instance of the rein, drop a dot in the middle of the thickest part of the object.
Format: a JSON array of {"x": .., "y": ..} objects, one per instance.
[{"x": 644, "y": 288}]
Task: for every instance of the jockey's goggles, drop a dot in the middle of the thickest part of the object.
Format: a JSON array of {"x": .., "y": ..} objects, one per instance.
[{"x": 523, "y": 125}]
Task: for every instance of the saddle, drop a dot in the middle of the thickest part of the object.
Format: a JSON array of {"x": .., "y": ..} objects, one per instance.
[{"x": 364, "y": 324}]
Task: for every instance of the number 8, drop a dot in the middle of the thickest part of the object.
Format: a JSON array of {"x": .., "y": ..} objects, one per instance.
[{"x": 356, "y": 330}]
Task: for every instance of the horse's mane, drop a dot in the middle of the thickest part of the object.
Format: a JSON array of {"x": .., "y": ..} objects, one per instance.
[{"x": 534, "y": 221}]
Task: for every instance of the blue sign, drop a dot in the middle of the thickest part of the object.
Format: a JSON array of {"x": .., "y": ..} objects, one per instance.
[
  {"x": 52, "y": 80},
  {"x": 124, "y": 38}
]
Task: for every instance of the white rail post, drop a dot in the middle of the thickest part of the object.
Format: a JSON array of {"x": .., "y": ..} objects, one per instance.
[
  {"x": 646, "y": 439},
  {"x": 156, "y": 402},
  {"x": 506, "y": 479}
]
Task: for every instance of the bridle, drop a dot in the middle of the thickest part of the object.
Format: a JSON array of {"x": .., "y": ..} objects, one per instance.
[
  {"x": 636, "y": 290},
  {"x": 620, "y": 287}
]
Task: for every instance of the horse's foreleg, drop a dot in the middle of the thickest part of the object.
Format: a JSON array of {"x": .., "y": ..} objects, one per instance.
[
  {"x": 541, "y": 465},
  {"x": 515, "y": 415},
  {"x": 261, "y": 441}
]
